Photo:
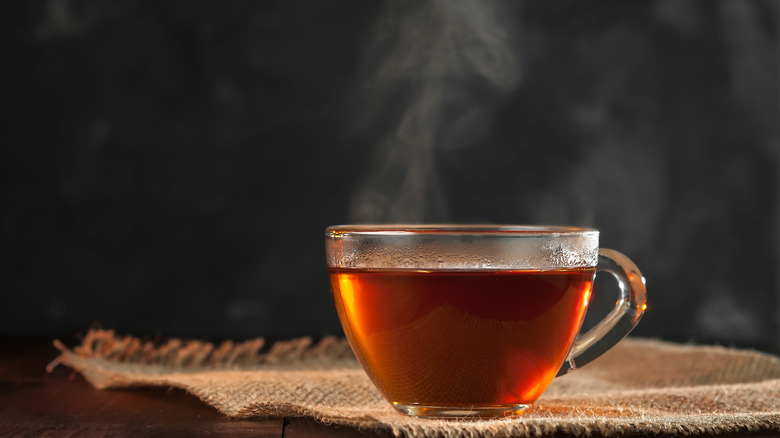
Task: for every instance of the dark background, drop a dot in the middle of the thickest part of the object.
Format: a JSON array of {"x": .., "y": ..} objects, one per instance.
[{"x": 169, "y": 168}]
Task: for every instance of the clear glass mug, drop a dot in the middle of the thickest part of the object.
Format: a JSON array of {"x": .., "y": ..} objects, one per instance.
[{"x": 474, "y": 320}]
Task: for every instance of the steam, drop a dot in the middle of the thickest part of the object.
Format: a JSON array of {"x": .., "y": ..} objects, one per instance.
[{"x": 431, "y": 57}]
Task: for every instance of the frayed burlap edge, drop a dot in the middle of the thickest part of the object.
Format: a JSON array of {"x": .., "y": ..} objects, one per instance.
[{"x": 195, "y": 355}]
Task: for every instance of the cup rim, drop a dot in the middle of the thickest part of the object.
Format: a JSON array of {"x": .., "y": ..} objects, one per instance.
[{"x": 456, "y": 230}]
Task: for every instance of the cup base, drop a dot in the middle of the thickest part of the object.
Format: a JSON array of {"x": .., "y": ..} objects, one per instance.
[{"x": 461, "y": 412}]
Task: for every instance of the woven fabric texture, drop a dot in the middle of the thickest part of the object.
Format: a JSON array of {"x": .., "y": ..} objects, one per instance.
[{"x": 640, "y": 386}]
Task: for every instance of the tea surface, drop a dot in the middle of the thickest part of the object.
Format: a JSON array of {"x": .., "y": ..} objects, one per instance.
[{"x": 461, "y": 338}]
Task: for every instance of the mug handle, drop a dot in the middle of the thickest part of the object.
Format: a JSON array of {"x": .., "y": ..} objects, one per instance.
[{"x": 620, "y": 321}]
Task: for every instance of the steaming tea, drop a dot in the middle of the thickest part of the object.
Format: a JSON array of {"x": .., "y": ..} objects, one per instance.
[
  {"x": 461, "y": 337},
  {"x": 474, "y": 320}
]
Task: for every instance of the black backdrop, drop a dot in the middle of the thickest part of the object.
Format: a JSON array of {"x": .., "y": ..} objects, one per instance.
[{"x": 169, "y": 167}]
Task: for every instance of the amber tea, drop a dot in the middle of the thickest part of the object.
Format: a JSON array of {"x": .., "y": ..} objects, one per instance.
[{"x": 435, "y": 338}]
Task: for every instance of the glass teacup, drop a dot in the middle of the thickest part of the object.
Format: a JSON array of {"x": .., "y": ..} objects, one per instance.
[{"x": 474, "y": 320}]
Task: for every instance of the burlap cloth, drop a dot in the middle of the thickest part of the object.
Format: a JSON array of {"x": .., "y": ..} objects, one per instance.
[{"x": 640, "y": 386}]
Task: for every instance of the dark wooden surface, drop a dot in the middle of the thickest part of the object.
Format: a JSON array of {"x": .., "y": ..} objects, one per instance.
[
  {"x": 62, "y": 404},
  {"x": 36, "y": 403}
]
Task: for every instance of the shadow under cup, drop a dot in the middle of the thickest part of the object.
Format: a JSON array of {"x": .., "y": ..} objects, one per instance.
[{"x": 469, "y": 320}]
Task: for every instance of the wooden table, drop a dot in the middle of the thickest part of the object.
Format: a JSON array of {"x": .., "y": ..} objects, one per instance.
[{"x": 36, "y": 403}]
